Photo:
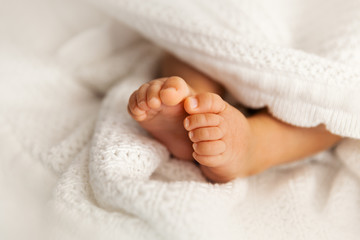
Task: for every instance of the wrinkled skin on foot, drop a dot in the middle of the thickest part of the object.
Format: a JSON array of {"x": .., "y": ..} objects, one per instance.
[
  {"x": 196, "y": 126},
  {"x": 158, "y": 106},
  {"x": 221, "y": 137}
]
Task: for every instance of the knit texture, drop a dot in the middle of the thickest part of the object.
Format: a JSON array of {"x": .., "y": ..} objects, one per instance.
[
  {"x": 267, "y": 54},
  {"x": 74, "y": 165}
]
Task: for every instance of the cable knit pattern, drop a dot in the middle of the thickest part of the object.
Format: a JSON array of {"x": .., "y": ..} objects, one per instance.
[
  {"x": 281, "y": 73},
  {"x": 74, "y": 165}
]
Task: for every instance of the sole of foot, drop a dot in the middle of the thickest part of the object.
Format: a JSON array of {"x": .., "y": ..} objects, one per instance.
[
  {"x": 158, "y": 106},
  {"x": 221, "y": 137}
]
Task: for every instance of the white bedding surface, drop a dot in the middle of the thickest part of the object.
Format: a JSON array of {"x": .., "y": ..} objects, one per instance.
[{"x": 73, "y": 165}]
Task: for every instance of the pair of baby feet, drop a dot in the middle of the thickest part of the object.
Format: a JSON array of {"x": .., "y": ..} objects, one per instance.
[{"x": 200, "y": 126}]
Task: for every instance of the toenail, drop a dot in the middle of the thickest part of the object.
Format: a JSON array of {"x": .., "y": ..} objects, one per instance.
[
  {"x": 170, "y": 88},
  {"x": 191, "y": 135},
  {"x": 154, "y": 101},
  {"x": 186, "y": 123},
  {"x": 193, "y": 102},
  {"x": 194, "y": 146}
]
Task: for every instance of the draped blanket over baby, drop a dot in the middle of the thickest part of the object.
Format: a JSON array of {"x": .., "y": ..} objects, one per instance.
[{"x": 108, "y": 179}]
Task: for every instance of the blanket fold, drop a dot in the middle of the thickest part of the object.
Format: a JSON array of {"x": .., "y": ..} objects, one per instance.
[{"x": 232, "y": 42}]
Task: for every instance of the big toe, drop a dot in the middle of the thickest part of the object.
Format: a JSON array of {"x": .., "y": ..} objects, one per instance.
[
  {"x": 173, "y": 91},
  {"x": 204, "y": 103}
]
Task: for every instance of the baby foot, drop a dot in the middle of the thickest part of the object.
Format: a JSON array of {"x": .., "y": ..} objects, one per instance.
[
  {"x": 158, "y": 107},
  {"x": 221, "y": 136}
]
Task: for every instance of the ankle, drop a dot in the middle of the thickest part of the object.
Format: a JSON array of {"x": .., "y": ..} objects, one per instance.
[{"x": 257, "y": 155}]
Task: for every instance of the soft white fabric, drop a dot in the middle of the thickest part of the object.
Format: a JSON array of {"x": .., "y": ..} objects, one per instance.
[
  {"x": 73, "y": 165},
  {"x": 299, "y": 58}
]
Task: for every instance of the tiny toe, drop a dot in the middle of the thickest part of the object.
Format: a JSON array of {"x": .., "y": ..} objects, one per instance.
[
  {"x": 140, "y": 117},
  {"x": 204, "y": 103},
  {"x": 209, "y": 161},
  {"x": 206, "y": 134},
  {"x": 173, "y": 91},
  {"x": 176, "y": 82},
  {"x": 133, "y": 108},
  {"x": 209, "y": 148},
  {"x": 141, "y": 97},
  {"x": 152, "y": 96},
  {"x": 202, "y": 120}
]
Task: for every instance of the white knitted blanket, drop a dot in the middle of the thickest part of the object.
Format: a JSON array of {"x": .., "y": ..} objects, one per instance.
[{"x": 74, "y": 165}]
